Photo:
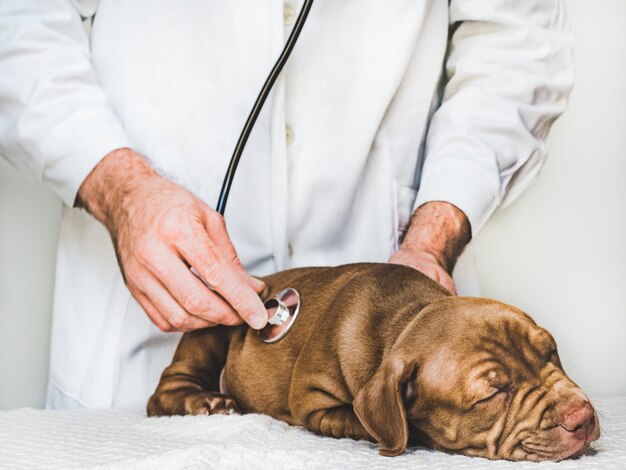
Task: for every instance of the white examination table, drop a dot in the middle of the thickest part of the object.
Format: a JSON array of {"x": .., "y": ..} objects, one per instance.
[{"x": 87, "y": 439}]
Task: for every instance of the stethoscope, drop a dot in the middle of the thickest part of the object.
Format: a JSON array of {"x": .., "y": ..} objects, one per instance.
[{"x": 283, "y": 309}]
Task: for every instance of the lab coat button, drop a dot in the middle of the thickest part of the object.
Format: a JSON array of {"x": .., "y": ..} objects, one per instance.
[
  {"x": 289, "y": 14},
  {"x": 289, "y": 135},
  {"x": 290, "y": 250}
]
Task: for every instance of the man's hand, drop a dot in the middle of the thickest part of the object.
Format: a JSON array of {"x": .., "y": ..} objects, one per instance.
[
  {"x": 436, "y": 237},
  {"x": 159, "y": 231}
]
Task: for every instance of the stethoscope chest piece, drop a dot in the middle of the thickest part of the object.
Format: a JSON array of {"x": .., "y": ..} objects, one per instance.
[{"x": 282, "y": 311}]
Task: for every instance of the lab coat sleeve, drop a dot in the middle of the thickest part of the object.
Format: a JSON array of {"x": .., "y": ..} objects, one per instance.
[
  {"x": 55, "y": 121},
  {"x": 508, "y": 75}
]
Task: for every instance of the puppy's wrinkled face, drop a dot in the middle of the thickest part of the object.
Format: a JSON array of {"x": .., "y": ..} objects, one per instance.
[{"x": 491, "y": 384}]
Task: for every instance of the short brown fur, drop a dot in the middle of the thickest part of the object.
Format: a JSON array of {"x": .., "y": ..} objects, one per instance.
[{"x": 383, "y": 353}]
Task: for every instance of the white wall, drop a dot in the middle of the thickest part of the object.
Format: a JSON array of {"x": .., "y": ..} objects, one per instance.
[
  {"x": 559, "y": 252},
  {"x": 29, "y": 223}
]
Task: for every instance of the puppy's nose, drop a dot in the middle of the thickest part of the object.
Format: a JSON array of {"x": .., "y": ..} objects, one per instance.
[{"x": 580, "y": 420}]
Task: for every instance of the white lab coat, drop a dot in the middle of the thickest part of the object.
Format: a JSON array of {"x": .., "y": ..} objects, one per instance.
[{"x": 175, "y": 81}]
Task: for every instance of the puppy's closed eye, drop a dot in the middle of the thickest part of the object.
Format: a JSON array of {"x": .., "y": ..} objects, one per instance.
[{"x": 495, "y": 394}]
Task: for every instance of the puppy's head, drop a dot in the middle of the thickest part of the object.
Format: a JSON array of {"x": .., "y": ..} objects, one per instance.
[{"x": 477, "y": 377}]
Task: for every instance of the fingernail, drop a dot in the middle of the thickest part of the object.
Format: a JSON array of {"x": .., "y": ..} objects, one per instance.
[{"x": 258, "y": 321}]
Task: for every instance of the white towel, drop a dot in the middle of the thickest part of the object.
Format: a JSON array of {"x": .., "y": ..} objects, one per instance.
[{"x": 99, "y": 439}]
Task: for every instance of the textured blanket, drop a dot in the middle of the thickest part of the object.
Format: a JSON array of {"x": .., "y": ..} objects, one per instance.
[{"x": 88, "y": 439}]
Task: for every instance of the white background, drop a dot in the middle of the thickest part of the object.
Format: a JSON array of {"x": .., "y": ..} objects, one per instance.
[{"x": 559, "y": 252}]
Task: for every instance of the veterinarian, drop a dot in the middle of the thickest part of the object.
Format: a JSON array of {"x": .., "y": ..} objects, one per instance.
[{"x": 394, "y": 133}]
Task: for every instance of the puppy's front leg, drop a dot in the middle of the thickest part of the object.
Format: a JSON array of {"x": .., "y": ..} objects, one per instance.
[
  {"x": 339, "y": 422},
  {"x": 320, "y": 410},
  {"x": 190, "y": 384}
]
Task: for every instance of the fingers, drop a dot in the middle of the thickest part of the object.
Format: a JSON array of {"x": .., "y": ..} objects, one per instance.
[
  {"x": 157, "y": 302},
  {"x": 231, "y": 286},
  {"x": 177, "y": 300},
  {"x": 439, "y": 275},
  {"x": 159, "y": 232},
  {"x": 425, "y": 263},
  {"x": 190, "y": 293},
  {"x": 446, "y": 281},
  {"x": 223, "y": 277},
  {"x": 154, "y": 315},
  {"x": 215, "y": 226}
]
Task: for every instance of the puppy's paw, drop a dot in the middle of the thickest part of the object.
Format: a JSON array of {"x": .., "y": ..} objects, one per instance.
[{"x": 210, "y": 403}]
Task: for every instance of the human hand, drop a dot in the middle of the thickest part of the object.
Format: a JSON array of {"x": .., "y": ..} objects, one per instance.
[
  {"x": 425, "y": 263},
  {"x": 160, "y": 230},
  {"x": 435, "y": 238}
]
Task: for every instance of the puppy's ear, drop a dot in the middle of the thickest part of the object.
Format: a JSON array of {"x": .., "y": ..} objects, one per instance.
[{"x": 380, "y": 408}]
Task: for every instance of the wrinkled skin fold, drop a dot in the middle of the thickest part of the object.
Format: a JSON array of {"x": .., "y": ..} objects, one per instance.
[{"x": 381, "y": 352}]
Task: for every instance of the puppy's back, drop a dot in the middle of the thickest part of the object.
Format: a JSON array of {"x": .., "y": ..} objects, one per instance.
[{"x": 350, "y": 311}]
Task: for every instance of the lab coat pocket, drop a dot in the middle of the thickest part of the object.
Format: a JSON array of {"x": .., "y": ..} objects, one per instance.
[{"x": 404, "y": 198}]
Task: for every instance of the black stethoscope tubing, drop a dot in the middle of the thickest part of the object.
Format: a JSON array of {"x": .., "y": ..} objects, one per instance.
[{"x": 258, "y": 105}]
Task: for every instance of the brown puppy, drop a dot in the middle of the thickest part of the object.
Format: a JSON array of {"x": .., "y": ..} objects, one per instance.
[{"x": 383, "y": 353}]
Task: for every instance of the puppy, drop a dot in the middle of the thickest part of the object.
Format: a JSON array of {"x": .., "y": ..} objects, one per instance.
[{"x": 383, "y": 353}]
